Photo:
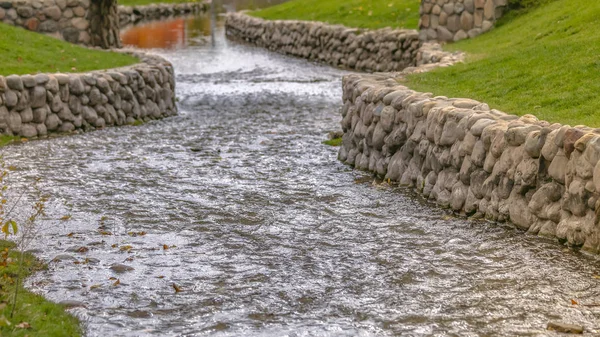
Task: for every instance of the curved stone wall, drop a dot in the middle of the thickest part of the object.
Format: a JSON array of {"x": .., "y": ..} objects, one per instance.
[
  {"x": 35, "y": 105},
  {"x": 454, "y": 20},
  {"x": 339, "y": 46},
  {"x": 65, "y": 19},
  {"x": 544, "y": 178}
]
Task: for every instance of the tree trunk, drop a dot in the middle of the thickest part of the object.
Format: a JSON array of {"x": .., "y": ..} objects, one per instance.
[{"x": 104, "y": 24}]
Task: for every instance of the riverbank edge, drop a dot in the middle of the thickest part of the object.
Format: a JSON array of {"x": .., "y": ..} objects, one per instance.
[
  {"x": 339, "y": 46},
  {"x": 37, "y": 105},
  {"x": 32, "y": 308},
  {"x": 480, "y": 162},
  {"x": 139, "y": 13}
]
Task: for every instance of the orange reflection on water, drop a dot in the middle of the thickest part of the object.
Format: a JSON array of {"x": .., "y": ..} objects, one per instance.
[{"x": 163, "y": 34}]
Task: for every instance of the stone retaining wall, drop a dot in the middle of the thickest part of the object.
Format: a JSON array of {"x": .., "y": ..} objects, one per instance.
[
  {"x": 35, "y": 105},
  {"x": 339, "y": 46},
  {"x": 544, "y": 178},
  {"x": 83, "y": 21},
  {"x": 65, "y": 19},
  {"x": 133, "y": 14},
  {"x": 453, "y": 20}
]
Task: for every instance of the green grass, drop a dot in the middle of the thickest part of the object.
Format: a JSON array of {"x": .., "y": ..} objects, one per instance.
[
  {"x": 44, "y": 318},
  {"x": 545, "y": 62},
  {"x": 25, "y": 52},
  {"x": 5, "y": 139},
  {"x": 371, "y": 14},
  {"x": 333, "y": 142},
  {"x": 149, "y": 2}
]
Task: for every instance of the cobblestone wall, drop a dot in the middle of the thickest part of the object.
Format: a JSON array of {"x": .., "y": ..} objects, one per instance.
[
  {"x": 339, "y": 46},
  {"x": 35, "y": 105},
  {"x": 453, "y": 20},
  {"x": 542, "y": 177},
  {"x": 86, "y": 22}
]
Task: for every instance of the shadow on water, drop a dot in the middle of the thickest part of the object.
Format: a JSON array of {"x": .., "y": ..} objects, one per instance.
[{"x": 236, "y": 203}]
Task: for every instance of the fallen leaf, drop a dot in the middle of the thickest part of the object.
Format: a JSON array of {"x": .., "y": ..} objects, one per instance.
[
  {"x": 117, "y": 282},
  {"x": 82, "y": 249},
  {"x": 165, "y": 247},
  {"x": 70, "y": 235},
  {"x": 573, "y": 302},
  {"x": 177, "y": 288},
  {"x": 125, "y": 248},
  {"x": 95, "y": 286},
  {"x": 105, "y": 233},
  {"x": 161, "y": 276}
]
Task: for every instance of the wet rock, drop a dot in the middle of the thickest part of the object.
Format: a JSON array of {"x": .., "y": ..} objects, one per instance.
[
  {"x": 120, "y": 268},
  {"x": 139, "y": 314},
  {"x": 52, "y": 122},
  {"x": 565, "y": 328},
  {"x": 64, "y": 257},
  {"x": 28, "y": 131},
  {"x": 70, "y": 304}
]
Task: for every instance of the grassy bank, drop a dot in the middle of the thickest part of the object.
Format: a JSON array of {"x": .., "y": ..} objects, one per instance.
[
  {"x": 352, "y": 13},
  {"x": 545, "y": 62},
  {"x": 34, "y": 316},
  {"x": 25, "y": 52}
]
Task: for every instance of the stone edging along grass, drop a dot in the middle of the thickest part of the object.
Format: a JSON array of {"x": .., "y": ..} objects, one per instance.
[
  {"x": 35, "y": 105},
  {"x": 542, "y": 177},
  {"x": 339, "y": 46}
]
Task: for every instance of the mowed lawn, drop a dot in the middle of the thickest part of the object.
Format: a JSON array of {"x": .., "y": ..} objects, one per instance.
[
  {"x": 370, "y": 14},
  {"x": 545, "y": 62},
  {"x": 25, "y": 52}
]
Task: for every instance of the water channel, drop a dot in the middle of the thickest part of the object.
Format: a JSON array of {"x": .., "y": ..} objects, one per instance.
[{"x": 236, "y": 204}]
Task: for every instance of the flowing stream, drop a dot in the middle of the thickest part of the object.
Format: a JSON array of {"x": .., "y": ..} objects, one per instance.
[{"x": 237, "y": 221}]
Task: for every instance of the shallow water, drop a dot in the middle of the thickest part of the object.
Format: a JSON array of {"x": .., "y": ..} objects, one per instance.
[{"x": 264, "y": 232}]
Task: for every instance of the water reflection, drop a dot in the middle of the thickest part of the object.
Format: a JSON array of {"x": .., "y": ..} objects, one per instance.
[
  {"x": 178, "y": 33},
  {"x": 166, "y": 34}
]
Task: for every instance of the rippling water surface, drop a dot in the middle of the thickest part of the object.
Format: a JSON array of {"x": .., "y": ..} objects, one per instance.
[{"x": 265, "y": 233}]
